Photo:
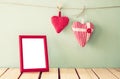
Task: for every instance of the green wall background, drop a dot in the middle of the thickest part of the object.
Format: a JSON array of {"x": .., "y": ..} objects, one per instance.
[{"x": 102, "y": 50}]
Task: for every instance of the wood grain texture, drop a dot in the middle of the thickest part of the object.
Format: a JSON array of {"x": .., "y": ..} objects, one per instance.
[
  {"x": 12, "y": 73},
  {"x": 52, "y": 74},
  {"x": 118, "y": 69},
  {"x": 30, "y": 75},
  {"x": 68, "y": 73},
  {"x": 104, "y": 73},
  {"x": 2, "y": 70},
  {"x": 115, "y": 72},
  {"x": 86, "y": 74},
  {"x": 65, "y": 73}
]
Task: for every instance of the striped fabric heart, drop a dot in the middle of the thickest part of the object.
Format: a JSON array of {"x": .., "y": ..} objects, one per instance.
[{"x": 82, "y": 32}]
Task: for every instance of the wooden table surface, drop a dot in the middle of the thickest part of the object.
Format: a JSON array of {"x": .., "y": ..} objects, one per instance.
[{"x": 62, "y": 73}]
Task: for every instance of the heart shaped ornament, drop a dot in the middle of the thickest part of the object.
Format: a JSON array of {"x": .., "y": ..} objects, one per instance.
[
  {"x": 59, "y": 22},
  {"x": 82, "y": 32}
]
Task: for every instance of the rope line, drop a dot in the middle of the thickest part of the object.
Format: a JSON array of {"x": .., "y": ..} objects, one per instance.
[{"x": 35, "y": 5}]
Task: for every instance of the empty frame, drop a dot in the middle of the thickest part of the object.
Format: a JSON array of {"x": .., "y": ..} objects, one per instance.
[{"x": 33, "y": 53}]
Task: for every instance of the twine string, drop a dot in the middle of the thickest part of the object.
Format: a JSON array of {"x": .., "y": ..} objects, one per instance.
[{"x": 44, "y": 6}]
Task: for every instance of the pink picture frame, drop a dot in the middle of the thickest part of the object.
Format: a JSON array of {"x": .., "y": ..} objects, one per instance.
[{"x": 33, "y": 53}]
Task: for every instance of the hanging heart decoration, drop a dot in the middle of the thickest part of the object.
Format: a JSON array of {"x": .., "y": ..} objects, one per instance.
[
  {"x": 59, "y": 22},
  {"x": 82, "y": 32}
]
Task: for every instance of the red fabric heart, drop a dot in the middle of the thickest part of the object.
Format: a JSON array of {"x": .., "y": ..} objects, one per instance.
[
  {"x": 59, "y": 22},
  {"x": 82, "y": 32}
]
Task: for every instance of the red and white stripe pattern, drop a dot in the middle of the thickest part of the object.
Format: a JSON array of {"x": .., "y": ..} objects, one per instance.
[{"x": 82, "y": 32}]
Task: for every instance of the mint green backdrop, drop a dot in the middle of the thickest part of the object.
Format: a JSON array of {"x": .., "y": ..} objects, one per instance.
[{"x": 102, "y": 50}]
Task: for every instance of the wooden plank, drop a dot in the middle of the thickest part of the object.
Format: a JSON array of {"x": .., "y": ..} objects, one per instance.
[
  {"x": 30, "y": 75},
  {"x": 115, "y": 72},
  {"x": 104, "y": 73},
  {"x": 12, "y": 73},
  {"x": 52, "y": 74},
  {"x": 2, "y": 70},
  {"x": 86, "y": 74},
  {"x": 66, "y": 73},
  {"x": 118, "y": 69}
]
